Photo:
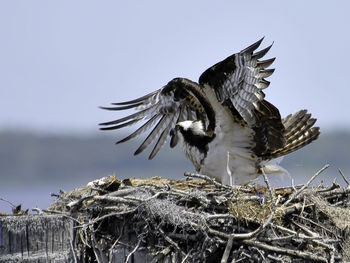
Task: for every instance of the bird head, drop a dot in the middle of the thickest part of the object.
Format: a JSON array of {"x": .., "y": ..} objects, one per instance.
[
  {"x": 192, "y": 132},
  {"x": 194, "y": 128}
]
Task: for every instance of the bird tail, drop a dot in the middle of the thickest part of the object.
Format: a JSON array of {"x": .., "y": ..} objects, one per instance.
[{"x": 298, "y": 132}]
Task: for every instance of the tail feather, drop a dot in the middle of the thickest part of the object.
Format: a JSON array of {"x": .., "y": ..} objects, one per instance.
[
  {"x": 298, "y": 132},
  {"x": 296, "y": 125}
]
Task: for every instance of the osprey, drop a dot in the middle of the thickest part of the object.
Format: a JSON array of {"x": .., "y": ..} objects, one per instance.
[{"x": 228, "y": 130}]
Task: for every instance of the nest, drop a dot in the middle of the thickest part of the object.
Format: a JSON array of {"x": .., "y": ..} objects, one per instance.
[{"x": 200, "y": 220}]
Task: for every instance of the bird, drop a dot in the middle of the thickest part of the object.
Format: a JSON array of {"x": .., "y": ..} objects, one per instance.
[{"x": 227, "y": 129}]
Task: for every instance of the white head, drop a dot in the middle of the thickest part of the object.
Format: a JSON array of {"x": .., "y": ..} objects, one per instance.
[
  {"x": 193, "y": 127},
  {"x": 192, "y": 133}
]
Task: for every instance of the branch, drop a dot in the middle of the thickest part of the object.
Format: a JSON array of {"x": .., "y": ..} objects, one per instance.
[
  {"x": 345, "y": 179},
  {"x": 227, "y": 250},
  {"x": 295, "y": 194},
  {"x": 272, "y": 194},
  {"x": 133, "y": 251},
  {"x": 285, "y": 251},
  {"x": 206, "y": 178}
]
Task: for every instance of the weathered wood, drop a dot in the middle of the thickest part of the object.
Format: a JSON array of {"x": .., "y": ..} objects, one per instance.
[
  {"x": 51, "y": 238},
  {"x": 36, "y": 238}
]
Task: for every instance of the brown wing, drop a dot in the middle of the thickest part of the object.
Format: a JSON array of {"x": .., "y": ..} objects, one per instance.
[
  {"x": 238, "y": 82},
  {"x": 179, "y": 100}
]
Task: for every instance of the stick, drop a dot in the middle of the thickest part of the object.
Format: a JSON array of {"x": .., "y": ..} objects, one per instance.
[
  {"x": 272, "y": 194},
  {"x": 227, "y": 250},
  {"x": 206, "y": 178},
  {"x": 295, "y": 194},
  {"x": 115, "y": 243},
  {"x": 346, "y": 180},
  {"x": 133, "y": 251},
  {"x": 285, "y": 251},
  {"x": 245, "y": 235},
  {"x": 12, "y": 204},
  {"x": 171, "y": 242}
]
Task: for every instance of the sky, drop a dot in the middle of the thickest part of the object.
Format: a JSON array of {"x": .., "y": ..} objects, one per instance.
[{"x": 60, "y": 60}]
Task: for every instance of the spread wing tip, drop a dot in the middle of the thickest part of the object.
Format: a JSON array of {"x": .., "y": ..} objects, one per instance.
[
  {"x": 115, "y": 127},
  {"x": 126, "y": 107},
  {"x": 253, "y": 46},
  {"x": 135, "y": 101},
  {"x": 262, "y": 52}
]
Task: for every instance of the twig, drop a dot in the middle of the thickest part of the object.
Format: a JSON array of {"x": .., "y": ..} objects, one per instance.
[
  {"x": 7, "y": 201},
  {"x": 272, "y": 194},
  {"x": 285, "y": 251},
  {"x": 331, "y": 253},
  {"x": 335, "y": 193},
  {"x": 100, "y": 256},
  {"x": 303, "y": 207},
  {"x": 259, "y": 251},
  {"x": 227, "y": 250},
  {"x": 133, "y": 251},
  {"x": 38, "y": 210},
  {"x": 313, "y": 237},
  {"x": 187, "y": 256},
  {"x": 115, "y": 199},
  {"x": 295, "y": 194},
  {"x": 218, "y": 216},
  {"x": 108, "y": 215},
  {"x": 305, "y": 229},
  {"x": 229, "y": 172},
  {"x": 345, "y": 179},
  {"x": 171, "y": 242},
  {"x": 115, "y": 243},
  {"x": 314, "y": 223},
  {"x": 75, "y": 203},
  {"x": 246, "y": 235},
  {"x": 73, "y": 250},
  {"x": 275, "y": 258},
  {"x": 206, "y": 178}
]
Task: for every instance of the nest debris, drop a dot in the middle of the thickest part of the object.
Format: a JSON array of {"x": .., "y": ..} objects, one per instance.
[{"x": 200, "y": 220}]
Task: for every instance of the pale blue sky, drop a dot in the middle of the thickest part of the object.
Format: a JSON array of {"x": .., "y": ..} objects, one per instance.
[{"x": 59, "y": 60}]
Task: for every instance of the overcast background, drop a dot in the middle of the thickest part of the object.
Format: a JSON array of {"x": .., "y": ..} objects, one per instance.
[{"x": 60, "y": 60}]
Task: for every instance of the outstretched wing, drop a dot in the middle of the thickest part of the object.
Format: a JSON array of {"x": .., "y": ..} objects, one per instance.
[
  {"x": 160, "y": 111},
  {"x": 238, "y": 82}
]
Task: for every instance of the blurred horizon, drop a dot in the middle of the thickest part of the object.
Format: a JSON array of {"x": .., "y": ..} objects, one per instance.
[{"x": 34, "y": 165}]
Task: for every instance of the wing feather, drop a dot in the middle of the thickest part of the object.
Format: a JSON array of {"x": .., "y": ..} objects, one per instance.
[
  {"x": 115, "y": 127},
  {"x": 158, "y": 129},
  {"x": 162, "y": 109},
  {"x": 261, "y": 53},
  {"x": 142, "y": 129},
  {"x": 141, "y": 99},
  {"x": 164, "y": 135},
  {"x": 141, "y": 114},
  {"x": 237, "y": 76},
  {"x": 238, "y": 82}
]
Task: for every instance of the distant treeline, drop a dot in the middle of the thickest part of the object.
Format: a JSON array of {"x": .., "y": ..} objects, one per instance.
[{"x": 30, "y": 159}]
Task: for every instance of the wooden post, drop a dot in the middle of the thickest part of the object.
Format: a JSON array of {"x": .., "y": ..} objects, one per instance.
[
  {"x": 36, "y": 238},
  {"x": 51, "y": 238}
]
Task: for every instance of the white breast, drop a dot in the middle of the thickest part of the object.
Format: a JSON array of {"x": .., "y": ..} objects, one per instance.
[{"x": 233, "y": 138}]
